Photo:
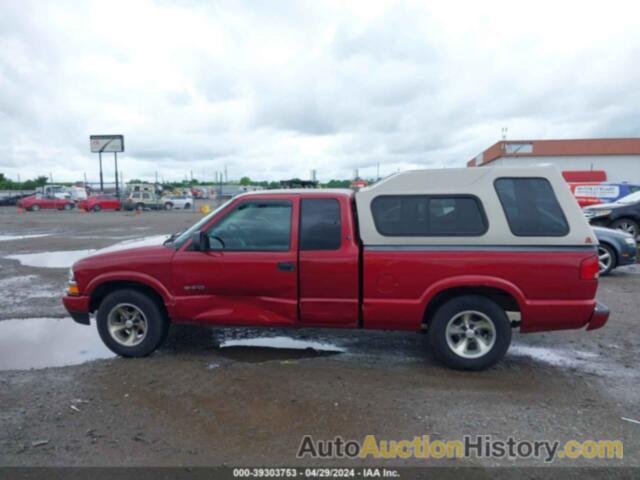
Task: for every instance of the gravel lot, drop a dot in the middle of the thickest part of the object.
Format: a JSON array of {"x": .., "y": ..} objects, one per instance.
[{"x": 197, "y": 402}]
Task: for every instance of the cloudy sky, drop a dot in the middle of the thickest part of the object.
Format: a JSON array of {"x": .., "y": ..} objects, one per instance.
[{"x": 272, "y": 89}]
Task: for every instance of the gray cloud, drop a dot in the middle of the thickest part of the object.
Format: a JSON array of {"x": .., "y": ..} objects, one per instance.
[{"x": 274, "y": 89}]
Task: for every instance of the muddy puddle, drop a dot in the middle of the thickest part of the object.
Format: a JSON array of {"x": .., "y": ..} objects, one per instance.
[
  {"x": 264, "y": 349},
  {"x": 48, "y": 342},
  {"x": 62, "y": 259},
  {"x": 11, "y": 238}
]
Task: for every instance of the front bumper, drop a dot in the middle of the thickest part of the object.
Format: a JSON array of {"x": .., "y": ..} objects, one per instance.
[
  {"x": 627, "y": 255},
  {"x": 78, "y": 308},
  {"x": 599, "y": 317}
]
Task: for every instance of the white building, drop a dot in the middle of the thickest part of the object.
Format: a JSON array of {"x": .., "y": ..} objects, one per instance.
[{"x": 599, "y": 159}]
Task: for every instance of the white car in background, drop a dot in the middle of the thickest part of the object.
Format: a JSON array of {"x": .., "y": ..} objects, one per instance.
[{"x": 177, "y": 201}]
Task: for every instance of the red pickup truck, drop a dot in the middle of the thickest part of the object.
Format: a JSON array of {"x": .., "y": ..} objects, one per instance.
[{"x": 467, "y": 254}]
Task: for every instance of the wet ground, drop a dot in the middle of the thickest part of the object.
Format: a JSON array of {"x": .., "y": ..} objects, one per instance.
[{"x": 248, "y": 396}]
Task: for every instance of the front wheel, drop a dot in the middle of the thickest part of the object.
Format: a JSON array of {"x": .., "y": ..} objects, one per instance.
[
  {"x": 67, "y": 206},
  {"x": 606, "y": 259},
  {"x": 168, "y": 206},
  {"x": 35, "y": 208},
  {"x": 131, "y": 323},
  {"x": 187, "y": 206},
  {"x": 97, "y": 208},
  {"x": 470, "y": 332}
]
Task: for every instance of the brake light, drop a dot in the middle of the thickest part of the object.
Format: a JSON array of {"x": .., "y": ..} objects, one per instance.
[{"x": 589, "y": 268}]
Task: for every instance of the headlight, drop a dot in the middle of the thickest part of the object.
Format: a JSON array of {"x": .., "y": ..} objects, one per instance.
[
  {"x": 630, "y": 241},
  {"x": 597, "y": 213},
  {"x": 72, "y": 287}
]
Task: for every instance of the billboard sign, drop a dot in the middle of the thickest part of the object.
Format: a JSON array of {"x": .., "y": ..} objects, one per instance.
[
  {"x": 106, "y": 143},
  {"x": 598, "y": 191}
]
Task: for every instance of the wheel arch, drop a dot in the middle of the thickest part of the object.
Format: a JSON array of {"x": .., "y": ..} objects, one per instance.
[
  {"x": 99, "y": 289},
  {"x": 505, "y": 294}
]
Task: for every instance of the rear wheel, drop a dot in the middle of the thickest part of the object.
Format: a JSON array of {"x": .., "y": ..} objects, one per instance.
[
  {"x": 470, "y": 332},
  {"x": 67, "y": 206},
  {"x": 35, "y": 208},
  {"x": 140, "y": 206},
  {"x": 187, "y": 206},
  {"x": 131, "y": 323},
  {"x": 607, "y": 259},
  {"x": 627, "y": 225},
  {"x": 97, "y": 208},
  {"x": 168, "y": 206}
]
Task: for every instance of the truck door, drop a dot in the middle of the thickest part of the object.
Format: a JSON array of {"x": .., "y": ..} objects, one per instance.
[
  {"x": 328, "y": 262},
  {"x": 249, "y": 274}
]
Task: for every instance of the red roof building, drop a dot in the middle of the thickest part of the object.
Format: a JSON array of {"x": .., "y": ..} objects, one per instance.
[{"x": 618, "y": 158}]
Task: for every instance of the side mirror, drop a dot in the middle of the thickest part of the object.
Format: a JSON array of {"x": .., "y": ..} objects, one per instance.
[{"x": 200, "y": 241}]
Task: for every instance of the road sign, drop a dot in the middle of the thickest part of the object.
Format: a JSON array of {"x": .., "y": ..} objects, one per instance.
[{"x": 106, "y": 143}]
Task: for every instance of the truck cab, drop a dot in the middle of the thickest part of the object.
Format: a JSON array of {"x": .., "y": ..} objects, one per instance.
[{"x": 466, "y": 255}]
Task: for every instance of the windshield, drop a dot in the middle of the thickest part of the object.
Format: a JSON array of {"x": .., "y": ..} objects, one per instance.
[
  {"x": 632, "y": 198},
  {"x": 180, "y": 239}
]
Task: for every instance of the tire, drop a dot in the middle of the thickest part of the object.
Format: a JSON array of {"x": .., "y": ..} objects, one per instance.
[
  {"x": 139, "y": 207},
  {"x": 109, "y": 315},
  {"x": 480, "y": 312},
  {"x": 627, "y": 225},
  {"x": 35, "y": 208},
  {"x": 187, "y": 206},
  {"x": 67, "y": 206},
  {"x": 168, "y": 206},
  {"x": 97, "y": 208},
  {"x": 607, "y": 259}
]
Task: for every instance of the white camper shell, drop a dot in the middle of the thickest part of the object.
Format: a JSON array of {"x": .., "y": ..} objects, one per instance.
[{"x": 506, "y": 206}]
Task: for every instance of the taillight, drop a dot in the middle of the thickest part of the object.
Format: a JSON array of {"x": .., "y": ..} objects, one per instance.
[{"x": 589, "y": 268}]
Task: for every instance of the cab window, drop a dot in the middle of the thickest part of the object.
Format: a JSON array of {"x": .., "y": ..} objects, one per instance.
[
  {"x": 320, "y": 226},
  {"x": 254, "y": 226}
]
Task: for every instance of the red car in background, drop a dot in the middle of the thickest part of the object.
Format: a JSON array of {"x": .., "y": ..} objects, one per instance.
[
  {"x": 97, "y": 203},
  {"x": 37, "y": 202}
]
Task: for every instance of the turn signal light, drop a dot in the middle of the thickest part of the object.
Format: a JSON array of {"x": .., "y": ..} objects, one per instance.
[
  {"x": 589, "y": 268},
  {"x": 73, "y": 289}
]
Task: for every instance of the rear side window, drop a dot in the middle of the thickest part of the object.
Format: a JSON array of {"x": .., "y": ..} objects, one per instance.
[
  {"x": 531, "y": 207},
  {"x": 320, "y": 226},
  {"x": 423, "y": 215}
]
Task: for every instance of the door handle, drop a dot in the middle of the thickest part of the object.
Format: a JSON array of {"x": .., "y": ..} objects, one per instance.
[{"x": 286, "y": 267}]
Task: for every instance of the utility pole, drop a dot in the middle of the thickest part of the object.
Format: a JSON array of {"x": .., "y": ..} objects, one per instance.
[
  {"x": 378, "y": 171},
  {"x": 115, "y": 156},
  {"x": 226, "y": 176},
  {"x": 101, "y": 180}
]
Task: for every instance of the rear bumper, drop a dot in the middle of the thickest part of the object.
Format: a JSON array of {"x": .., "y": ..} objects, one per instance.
[
  {"x": 599, "y": 317},
  {"x": 78, "y": 308}
]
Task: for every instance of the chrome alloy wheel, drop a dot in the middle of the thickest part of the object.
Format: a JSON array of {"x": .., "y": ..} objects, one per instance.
[
  {"x": 628, "y": 228},
  {"x": 604, "y": 259},
  {"x": 470, "y": 334},
  {"x": 127, "y": 324}
]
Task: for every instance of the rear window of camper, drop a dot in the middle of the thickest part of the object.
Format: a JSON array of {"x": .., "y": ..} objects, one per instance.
[
  {"x": 531, "y": 207},
  {"x": 428, "y": 215}
]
